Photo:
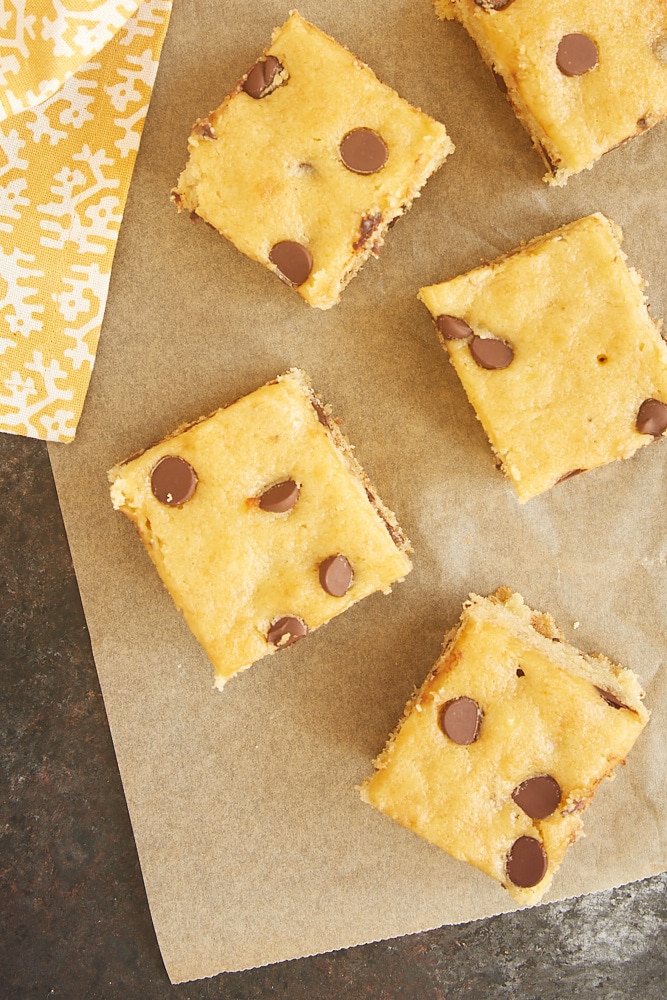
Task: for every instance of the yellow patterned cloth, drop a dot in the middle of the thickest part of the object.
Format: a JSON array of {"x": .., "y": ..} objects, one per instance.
[{"x": 75, "y": 83}]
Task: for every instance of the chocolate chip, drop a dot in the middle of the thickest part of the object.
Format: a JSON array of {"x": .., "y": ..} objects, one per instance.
[
  {"x": 652, "y": 417},
  {"x": 520, "y": 672},
  {"x": 367, "y": 227},
  {"x": 493, "y": 4},
  {"x": 501, "y": 83},
  {"x": 610, "y": 698},
  {"x": 491, "y": 353},
  {"x": 460, "y": 720},
  {"x": 279, "y": 498},
  {"x": 336, "y": 575},
  {"x": 577, "y": 53},
  {"x": 286, "y": 631},
  {"x": 452, "y": 328},
  {"x": 173, "y": 481},
  {"x": 363, "y": 151},
  {"x": 660, "y": 48},
  {"x": 569, "y": 475},
  {"x": 293, "y": 260},
  {"x": 261, "y": 76},
  {"x": 320, "y": 411},
  {"x": 539, "y": 797},
  {"x": 204, "y": 129},
  {"x": 526, "y": 862}
]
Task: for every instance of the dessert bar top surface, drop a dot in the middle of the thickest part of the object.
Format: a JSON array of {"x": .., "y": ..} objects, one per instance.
[
  {"x": 586, "y": 352},
  {"x": 579, "y": 113},
  {"x": 545, "y": 709},
  {"x": 268, "y": 170},
  {"x": 235, "y": 562}
]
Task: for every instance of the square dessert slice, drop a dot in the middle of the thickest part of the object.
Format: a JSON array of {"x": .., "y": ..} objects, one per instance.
[
  {"x": 306, "y": 164},
  {"x": 581, "y": 75},
  {"x": 260, "y": 522},
  {"x": 506, "y": 744},
  {"x": 557, "y": 353}
]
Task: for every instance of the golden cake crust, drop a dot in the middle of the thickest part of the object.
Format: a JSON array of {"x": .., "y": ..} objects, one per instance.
[
  {"x": 272, "y": 170},
  {"x": 234, "y": 560},
  {"x": 574, "y": 117},
  {"x": 546, "y": 712},
  {"x": 586, "y": 353}
]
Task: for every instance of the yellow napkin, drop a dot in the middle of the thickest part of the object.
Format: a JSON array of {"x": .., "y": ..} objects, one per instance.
[{"x": 76, "y": 77}]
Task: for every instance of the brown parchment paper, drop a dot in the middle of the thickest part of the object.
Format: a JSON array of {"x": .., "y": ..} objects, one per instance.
[{"x": 254, "y": 844}]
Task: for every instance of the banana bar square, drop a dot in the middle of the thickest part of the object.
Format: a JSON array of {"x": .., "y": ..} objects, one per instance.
[
  {"x": 261, "y": 523},
  {"x": 558, "y": 354},
  {"x": 582, "y": 76},
  {"x": 306, "y": 164},
  {"x": 506, "y": 743}
]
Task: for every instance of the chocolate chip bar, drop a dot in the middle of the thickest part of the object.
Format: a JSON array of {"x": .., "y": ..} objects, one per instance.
[
  {"x": 306, "y": 164},
  {"x": 557, "y": 352},
  {"x": 582, "y": 77},
  {"x": 261, "y": 523},
  {"x": 504, "y": 747}
]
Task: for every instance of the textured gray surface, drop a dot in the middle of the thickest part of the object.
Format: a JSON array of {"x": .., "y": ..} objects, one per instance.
[{"x": 74, "y": 921}]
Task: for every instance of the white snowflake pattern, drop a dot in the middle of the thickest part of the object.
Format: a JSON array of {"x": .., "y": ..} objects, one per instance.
[
  {"x": 74, "y": 112},
  {"x": 8, "y": 64},
  {"x": 22, "y": 407},
  {"x": 86, "y": 295},
  {"x": 24, "y": 25},
  {"x": 103, "y": 218},
  {"x": 11, "y": 145},
  {"x": 11, "y": 193},
  {"x": 122, "y": 94},
  {"x": 130, "y": 141},
  {"x": 21, "y": 316},
  {"x": 60, "y": 427},
  {"x": 148, "y": 13},
  {"x": 11, "y": 197},
  {"x": 104, "y": 20},
  {"x": 45, "y": 89}
]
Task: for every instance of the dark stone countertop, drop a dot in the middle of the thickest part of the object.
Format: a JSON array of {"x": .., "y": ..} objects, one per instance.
[{"x": 75, "y": 921}]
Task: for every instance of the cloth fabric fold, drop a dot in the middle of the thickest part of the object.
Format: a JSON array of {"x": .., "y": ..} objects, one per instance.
[{"x": 74, "y": 93}]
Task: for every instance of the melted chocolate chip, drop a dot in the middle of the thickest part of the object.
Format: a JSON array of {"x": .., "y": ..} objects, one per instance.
[
  {"x": 173, "y": 481},
  {"x": 286, "y": 631},
  {"x": 336, "y": 575},
  {"x": 526, "y": 862},
  {"x": 367, "y": 227},
  {"x": 204, "y": 129},
  {"x": 501, "y": 83},
  {"x": 363, "y": 151},
  {"x": 279, "y": 498},
  {"x": 539, "y": 797},
  {"x": 261, "y": 76},
  {"x": 520, "y": 672},
  {"x": 293, "y": 260},
  {"x": 320, "y": 411},
  {"x": 452, "y": 328},
  {"x": 460, "y": 720},
  {"x": 611, "y": 699},
  {"x": 576, "y": 55},
  {"x": 652, "y": 417},
  {"x": 395, "y": 534},
  {"x": 493, "y": 4},
  {"x": 491, "y": 353},
  {"x": 569, "y": 475}
]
